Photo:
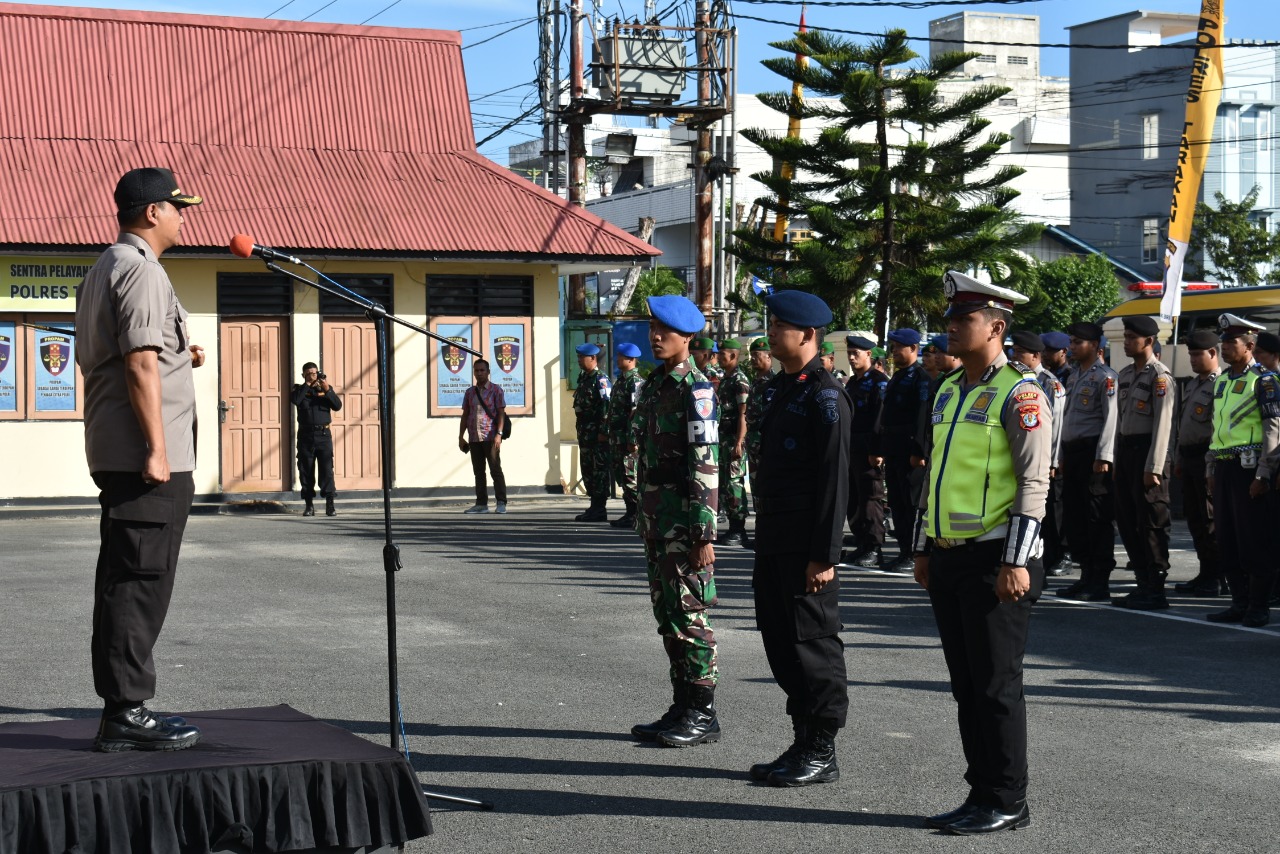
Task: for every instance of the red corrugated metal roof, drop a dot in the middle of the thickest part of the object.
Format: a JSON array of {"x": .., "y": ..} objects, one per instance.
[{"x": 317, "y": 137}]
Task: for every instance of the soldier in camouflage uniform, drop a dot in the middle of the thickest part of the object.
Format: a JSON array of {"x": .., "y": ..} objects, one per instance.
[
  {"x": 704, "y": 351},
  {"x": 622, "y": 444},
  {"x": 761, "y": 372},
  {"x": 733, "y": 393},
  {"x": 676, "y": 426},
  {"x": 591, "y": 411}
]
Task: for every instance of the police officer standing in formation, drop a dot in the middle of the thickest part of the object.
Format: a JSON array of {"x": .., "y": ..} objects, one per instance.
[
  {"x": 676, "y": 425},
  {"x": 1053, "y": 359},
  {"x": 734, "y": 390},
  {"x": 827, "y": 353},
  {"x": 1146, "y": 402},
  {"x": 904, "y": 395},
  {"x": 1243, "y": 454},
  {"x": 761, "y": 373},
  {"x": 316, "y": 402},
  {"x": 1028, "y": 349},
  {"x": 591, "y": 414},
  {"x": 865, "y": 513},
  {"x": 937, "y": 364},
  {"x": 622, "y": 445},
  {"x": 977, "y": 544},
  {"x": 703, "y": 352},
  {"x": 1193, "y": 429},
  {"x": 799, "y": 530},
  {"x": 1088, "y": 451}
]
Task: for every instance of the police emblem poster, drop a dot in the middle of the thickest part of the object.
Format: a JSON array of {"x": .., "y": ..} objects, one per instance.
[
  {"x": 54, "y": 369},
  {"x": 506, "y": 346},
  {"x": 508, "y": 349},
  {"x": 450, "y": 366},
  {"x": 8, "y": 366}
]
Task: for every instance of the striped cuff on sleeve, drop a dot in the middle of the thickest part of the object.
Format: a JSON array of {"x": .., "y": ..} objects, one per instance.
[
  {"x": 922, "y": 544},
  {"x": 1023, "y": 540}
]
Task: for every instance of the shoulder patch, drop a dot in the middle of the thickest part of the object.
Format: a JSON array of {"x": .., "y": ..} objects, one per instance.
[
  {"x": 1029, "y": 416},
  {"x": 703, "y": 417},
  {"x": 1022, "y": 368},
  {"x": 1111, "y": 386},
  {"x": 1161, "y": 386},
  {"x": 1025, "y": 395}
]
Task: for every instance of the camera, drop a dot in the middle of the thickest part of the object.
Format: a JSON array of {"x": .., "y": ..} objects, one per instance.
[{"x": 321, "y": 376}]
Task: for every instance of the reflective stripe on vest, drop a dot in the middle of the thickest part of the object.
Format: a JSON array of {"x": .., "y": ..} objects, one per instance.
[
  {"x": 972, "y": 484},
  {"x": 1237, "y": 423}
]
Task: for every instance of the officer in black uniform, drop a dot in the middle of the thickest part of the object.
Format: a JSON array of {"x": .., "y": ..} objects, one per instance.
[
  {"x": 904, "y": 396},
  {"x": 316, "y": 402},
  {"x": 865, "y": 388},
  {"x": 803, "y": 495}
]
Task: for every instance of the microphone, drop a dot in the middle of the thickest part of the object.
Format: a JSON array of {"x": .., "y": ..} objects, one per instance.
[{"x": 243, "y": 246}]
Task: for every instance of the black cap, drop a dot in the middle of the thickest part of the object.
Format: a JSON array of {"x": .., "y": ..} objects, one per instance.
[
  {"x": 1025, "y": 339},
  {"x": 1085, "y": 331},
  {"x": 1202, "y": 339},
  {"x": 1268, "y": 341},
  {"x": 1143, "y": 324},
  {"x": 149, "y": 185}
]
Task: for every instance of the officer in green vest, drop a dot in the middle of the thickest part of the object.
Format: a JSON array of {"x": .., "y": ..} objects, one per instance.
[
  {"x": 977, "y": 546},
  {"x": 1242, "y": 454}
]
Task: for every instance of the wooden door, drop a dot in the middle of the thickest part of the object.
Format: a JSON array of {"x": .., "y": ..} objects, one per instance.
[
  {"x": 350, "y": 350},
  {"x": 254, "y": 407}
]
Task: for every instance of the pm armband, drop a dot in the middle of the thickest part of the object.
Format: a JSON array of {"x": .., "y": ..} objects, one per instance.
[{"x": 704, "y": 415}]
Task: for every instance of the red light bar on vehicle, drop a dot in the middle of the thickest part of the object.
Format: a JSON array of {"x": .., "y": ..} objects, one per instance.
[{"x": 1157, "y": 287}]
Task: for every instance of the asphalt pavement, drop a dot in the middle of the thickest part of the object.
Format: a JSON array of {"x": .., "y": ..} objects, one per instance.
[{"x": 527, "y": 650}]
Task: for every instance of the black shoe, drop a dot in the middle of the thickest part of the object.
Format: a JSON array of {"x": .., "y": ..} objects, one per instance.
[
  {"x": 941, "y": 820},
  {"x": 310, "y": 509},
  {"x": 902, "y": 566},
  {"x": 1256, "y": 618},
  {"x": 1200, "y": 587},
  {"x": 140, "y": 729},
  {"x": 329, "y": 509},
  {"x": 1072, "y": 590},
  {"x": 761, "y": 770},
  {"x": 1234, "y": 614},
  {"x": 649, "y": 732},
  {"x": 1096, "y": 593},
  {"x": 816, "y": 763},
  {"x": 627, "y": 520},
  {"x": 987, "y": 820},
  {"x": 698, "y": 724},
  {"x": 732, "y": 537},
  {"x": 872, "y": 559},
  {"x": 1057, "y": 569},
  {"x": 1143, "y": 600}
]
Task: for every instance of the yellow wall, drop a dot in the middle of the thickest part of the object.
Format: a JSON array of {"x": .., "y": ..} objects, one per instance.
[{"x": 41, "y": 459}]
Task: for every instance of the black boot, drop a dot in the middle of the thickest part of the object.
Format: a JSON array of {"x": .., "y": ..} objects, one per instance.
[
  {"x": 138, "y": 728},
  {"x": 871, "y": 559},
  {"x": 595, "y": 513},
  {"x": 1202, "y": 586},
  {"x": 310, "y": 509},
  {"x": 1153, "y": 597},
  {"x": 698, "y": 724},
  {"x": 762, "y": 770},
  {"x": 679, "y": 699},
  {"x": 816, "y": 762},
  {"x": 628, "y": 517},
  {"x": 735, "y": 536},
  {"x": 329, "y": 509}
]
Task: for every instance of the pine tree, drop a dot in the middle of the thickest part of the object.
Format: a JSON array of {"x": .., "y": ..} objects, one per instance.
[{"x": 880, "y": 211}]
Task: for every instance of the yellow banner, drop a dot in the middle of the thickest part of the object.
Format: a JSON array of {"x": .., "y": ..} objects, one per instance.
[
  {"x": 41, "y": 283},
  {"x": 1203, "y": 96}
]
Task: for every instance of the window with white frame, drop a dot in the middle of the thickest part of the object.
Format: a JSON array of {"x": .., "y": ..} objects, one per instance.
[
  {"x": 1151, "y": 136},
  {"x": 1150, "y": 241}
]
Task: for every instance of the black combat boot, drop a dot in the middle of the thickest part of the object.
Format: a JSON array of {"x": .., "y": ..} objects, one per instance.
[
  {"x": 595, "y": 513},
  {"x": 762, "y": 770},
  {"x": 329, "y": 509},
  {"x": 871, "y": 559},
  {"x": 679, "y": 699},
  {"x": 735, "y": 536},
  {"x": 1153, "y": 598},
  {"x": 816, "y": 761},
  {"x": 698, "y": 724},
  {"x": 310, "y": 509},
  {"x": 628, "y": 517}
]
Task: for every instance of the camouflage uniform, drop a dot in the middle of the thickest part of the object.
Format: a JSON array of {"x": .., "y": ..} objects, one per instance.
[
  {"x": 622, "y": 405},
  {"x": 676, "y": 426},
  {"x": 734, "y": 392},
  {"x": 591, "y": 408},
  {"x": 714, "y": 374},
  {"x": 755, "y": 405}
]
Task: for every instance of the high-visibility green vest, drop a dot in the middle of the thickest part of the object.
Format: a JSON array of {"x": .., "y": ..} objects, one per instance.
[
  {"x": 1237, "y": 421},
  {"x": 972, "y": 483}
]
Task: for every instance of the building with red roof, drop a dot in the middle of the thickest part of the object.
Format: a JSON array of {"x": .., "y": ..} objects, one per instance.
[{"x": 349, "y": 146}]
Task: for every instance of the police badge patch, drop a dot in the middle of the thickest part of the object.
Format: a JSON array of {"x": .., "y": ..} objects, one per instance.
[
  {"x": 1029, "y": 416},
  {"x": 704, "y": 415},
  {"x": 829, "y": 405}
]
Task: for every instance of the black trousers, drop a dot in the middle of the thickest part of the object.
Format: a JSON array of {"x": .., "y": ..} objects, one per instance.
[
  {"x": 983, "y": 640},
  {"x": 904, "y": 482},
  {"x": 141, "y": 531},
  {"x": 801, "y": 634},
  {"x": 1089, "y": 511},
  {"x": 1244, "y": 534},
  {"x": 1197, "y": 507},
  {"x": 1142, "y": 514},
  {"x": 315, "y": 448},
  {"x": 487, "y": 453},
  {"x": 866, "y": 498},
  {"x": 1055, "y": 539}
]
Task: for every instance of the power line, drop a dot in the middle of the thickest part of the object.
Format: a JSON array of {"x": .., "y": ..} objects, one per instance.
[
  {"x": 379, "y": 12},
  {"x": 318, "y": 11},
  {"x": 905, "y": 4},
  {"x": 526, "y": 22}
]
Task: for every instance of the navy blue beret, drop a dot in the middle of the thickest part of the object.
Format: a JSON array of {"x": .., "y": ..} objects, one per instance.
[
  {"x": 1055, "y": 340},
  {"x": 857, "y": 342},
  {"x": 677, "y": 312},
  {"x": 798, "y": 308},
  {"x": 939, "y": 341},
  {"x": 906, "y": 337},
  {"x": 631, "y": 351},
  {"x": 587, "y": 349}
]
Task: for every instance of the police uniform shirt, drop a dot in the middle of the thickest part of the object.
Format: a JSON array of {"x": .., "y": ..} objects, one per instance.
[
  {"x": 906, "y": 393},
  {"x": 1090, "y": 409},
  {"x": 1145, "y": 405},
  {"x": 127, "y": 303},
  {"x": 1267, "y": 400},
  {"x": 1194, "y": 424},
  {"x": 867, "y": 395},
  {"x": 315, "y": 408},
  {"x": 1057, "y": 394}
]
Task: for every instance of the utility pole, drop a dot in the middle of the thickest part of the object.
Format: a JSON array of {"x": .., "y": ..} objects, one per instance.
[
  {"x": 548, "y": 91},
  {"x": 577, "y": 145},
  {"x": 702, "y": 178}
]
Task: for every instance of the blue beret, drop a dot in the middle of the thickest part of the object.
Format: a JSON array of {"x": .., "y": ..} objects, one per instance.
[
  {"x": 677, "y": 312},
  {"x": 587, "y": 349},
  {"x": 940, "y": 342},
  {"x": 798, "y": 308},
  {"x": 857, "y": 342},
  {"x": 631, "y": 351},
  {"x": 1055, "y": 340},
  {"x": 906, "y": 337}
]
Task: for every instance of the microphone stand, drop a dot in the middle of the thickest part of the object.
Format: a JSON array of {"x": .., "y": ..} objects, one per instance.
[{"x": 390, "y": 551}]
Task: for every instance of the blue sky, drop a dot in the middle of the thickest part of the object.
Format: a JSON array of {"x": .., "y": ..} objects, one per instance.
[{"x": 507, "y": 60}]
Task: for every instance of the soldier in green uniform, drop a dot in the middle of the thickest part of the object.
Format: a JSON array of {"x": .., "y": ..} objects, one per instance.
[
  {"x": 734, "y": 391},
  {"x": 622, "y": 445},
  {"x": 676, "y": 425},
  {"x": 703, "y": 351},
  {"x": 591, "y": 412},
  {"x": 827, "y": 353}
]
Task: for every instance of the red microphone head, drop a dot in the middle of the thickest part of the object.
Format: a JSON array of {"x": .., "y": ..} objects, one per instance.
[{"x": 242, "y": 245}]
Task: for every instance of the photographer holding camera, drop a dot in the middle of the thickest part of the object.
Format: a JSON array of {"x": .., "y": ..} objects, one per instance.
[{"x": 316, "y": 401}]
